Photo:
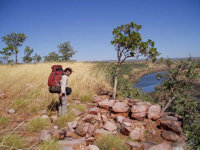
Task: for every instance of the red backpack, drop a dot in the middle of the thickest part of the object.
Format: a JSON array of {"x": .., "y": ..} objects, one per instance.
[{"x": 54, "y": 79}]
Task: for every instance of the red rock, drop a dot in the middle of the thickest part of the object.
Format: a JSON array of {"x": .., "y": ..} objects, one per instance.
[
  {"x": 105, "y": 117},
  {"x": 74, "y": 144},
  {"x": 76, "y": 112},
  {"x": 170, "y": 124},
  {"x": 135, "y": 145},
  {"x": 162, "y": 146},
  {"x": 115, "y": 115},
  {"x": 93, "y": 111},
  {"x": 139, "y": 111},
  {"x": 82, "y": 128},
  {"x": 98, "y": 99},
  {"x": 120, "y": 119},
  {"x": 89, "y": 117},
  {"x": 127, "y": 122},
  {"x": 120, "y": 107},
  {"x": 106, "y": 103},
  {"x": 110, "y": 126},
  {"x": 103, "y": 111},
  {"x": 154, "y": 112},
  {"x": 98, "y": 132},
  {"x": 137, "y": 133},
  {"x": 170, "y": 136},
  {"x": 92, "y": 147},
  {"x": 45, "y": 135}
]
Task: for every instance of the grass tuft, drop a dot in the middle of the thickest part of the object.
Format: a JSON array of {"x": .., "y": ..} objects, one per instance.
[
  {"x": 61, "y": 122},
  {"x": 11, "y": 142},
  {"x": 49, "y": 145},
  {"x": 21, "y": 104},
  {"x": 4, "y": 121},
  {"x": 79, "y": 107},
  {"x": 110, "y": 142},
  {"x": 37, "y": 124},
  {"x": 86, "y": 98}
]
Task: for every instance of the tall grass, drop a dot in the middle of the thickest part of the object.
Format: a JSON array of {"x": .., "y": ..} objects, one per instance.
[{"x": 28, "y": 82}]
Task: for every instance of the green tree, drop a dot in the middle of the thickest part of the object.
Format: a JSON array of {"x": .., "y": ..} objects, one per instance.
[
  {"x": 128, "y": 43},
  {"x": 177, "y": 95},
  {"x": 66, "y": 51},
  {"x": 13, "y": 41},
  {"x": 36, "y": 58},
  {"x": 53, "y": 56},
  {"x": 27, "y": 55}
]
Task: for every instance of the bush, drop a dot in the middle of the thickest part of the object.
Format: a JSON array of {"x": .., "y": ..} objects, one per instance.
[
  {"x": 110, "y": 142},
  {"x": 61, "y": 122},
  {"x": 49, "y": 145},
  {"x": 37, "y": 124},
  {"x": 4, "y": 121},
  {"x": 12, "y": 142}
]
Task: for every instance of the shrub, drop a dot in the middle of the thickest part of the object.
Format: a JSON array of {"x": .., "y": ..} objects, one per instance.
[
  {"x": 37, "y": 124},
  {"x": 110, "y": 142},
  {"x": 61, "y": 122},
  {"x": 49, "y": 145},
  {"x": 11, "y": 142},
  {"x": 4, "y": 121}
]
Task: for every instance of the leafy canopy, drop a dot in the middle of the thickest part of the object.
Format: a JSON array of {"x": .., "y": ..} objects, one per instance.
[
  {"x": 128, "y": 43},
  {"x": 66, "y": 51},
  {"x": 27, "y": 55}
]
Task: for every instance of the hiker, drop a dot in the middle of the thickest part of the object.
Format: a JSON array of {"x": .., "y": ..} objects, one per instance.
[{"x": 62, "y": 109}]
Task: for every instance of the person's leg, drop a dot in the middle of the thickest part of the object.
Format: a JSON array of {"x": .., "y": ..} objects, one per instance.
[
  {"x": 64, "y": 105},
  {"x": 60, "y": 107}
]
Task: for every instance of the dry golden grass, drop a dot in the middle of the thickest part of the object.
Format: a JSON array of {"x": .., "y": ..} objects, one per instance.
[{"x": 21, "y": 79}]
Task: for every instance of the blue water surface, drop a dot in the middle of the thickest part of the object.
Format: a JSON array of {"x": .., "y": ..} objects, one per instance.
[{"x": 148, "y": 82}]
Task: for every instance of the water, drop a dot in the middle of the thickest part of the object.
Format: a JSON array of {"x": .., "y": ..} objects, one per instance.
[{"x": 148, "y": 82}]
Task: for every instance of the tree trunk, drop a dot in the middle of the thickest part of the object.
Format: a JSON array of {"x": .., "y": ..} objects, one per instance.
[
  {"x": 115, "y": 81},
  {"x": 16, "y": 58},
  {"x": 167, "y": 105}
]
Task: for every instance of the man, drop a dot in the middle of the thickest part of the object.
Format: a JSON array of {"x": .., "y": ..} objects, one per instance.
[{"x": 62, "y": 109}]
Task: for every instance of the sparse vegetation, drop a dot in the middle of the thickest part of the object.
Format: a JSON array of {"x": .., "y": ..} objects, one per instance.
[
  {"x": 110, "y": 142},
  {"x": 4, "y": 121},
  {"x": 49, "y": 145},
  {"x": 37, "y": 124},
  {"x": 86, "y": 97},
  {"x": 61, "y": 122},
  {"x": 21, "y": 104},
  {"x": 11, "y": 142},
  {"x": 81, "y": 108}
]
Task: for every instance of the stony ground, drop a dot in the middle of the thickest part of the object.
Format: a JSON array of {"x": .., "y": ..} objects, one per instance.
[{"x": 138, "y": 122}]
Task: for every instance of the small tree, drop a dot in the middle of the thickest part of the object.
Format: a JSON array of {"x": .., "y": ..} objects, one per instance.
[
  {"x": 37, "y": 58},
  {"x": 66, "y": 51},
  {"x": 27, "y": 55},
  {"x": 13, "y": 41},
  {"x": 53, "y": 56},
  {"x": 177, "y": 94},
  {"x": 128, "y": 43}
]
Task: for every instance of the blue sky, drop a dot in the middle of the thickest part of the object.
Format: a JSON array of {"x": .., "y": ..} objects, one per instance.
[{"x": 88, "y": 24}]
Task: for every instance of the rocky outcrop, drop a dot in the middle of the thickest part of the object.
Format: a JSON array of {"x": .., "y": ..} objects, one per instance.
[{"x": 139, "y": 120}]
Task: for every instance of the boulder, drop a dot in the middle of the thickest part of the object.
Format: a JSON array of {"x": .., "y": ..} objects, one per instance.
[
  {"x": 135, "y": 145},
  {"x": 171, "y": 124},
  {"x": 154, "y": 112},
  {"x": 98, "y": 99},
  {"x": 139, "y": 111},
  {"x": 137, "y": 133},
  {"x": 73, "y": 144},
  {"x": 89, "y": 117},
  {"x": 127, "y": 122},
  {"x": 170, "y": 136},
  {"x": 115, "y": 115},
  {"x": 105, "y": 117},
  {"x": 119, "y": 119},
  {"x": 94, "y": 111},
  {"x": 71, "y": 126},
  {"x": 110, "y": 126},
  {"x": 45, "y": 135},
  {"x": 120, "y": 107},
  {"x": 162, "y": 146},
  {"x": 92, "y": 147},
  {"x": 98, "y": 132},
  {"x": 106, "y": 103},
  {"x": 82, "y": 128}
]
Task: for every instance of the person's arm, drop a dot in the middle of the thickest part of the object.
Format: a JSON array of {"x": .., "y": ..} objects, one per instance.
[{"x": 63, "y": 83}]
